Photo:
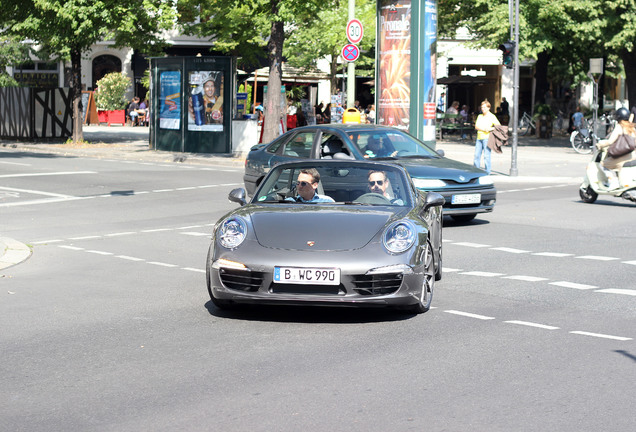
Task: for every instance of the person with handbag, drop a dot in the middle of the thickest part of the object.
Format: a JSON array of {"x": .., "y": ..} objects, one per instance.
[{"x": 620, "y": 145}]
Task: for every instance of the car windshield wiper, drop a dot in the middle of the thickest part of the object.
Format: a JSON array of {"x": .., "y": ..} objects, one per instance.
[{"x": 416, "y": 156}]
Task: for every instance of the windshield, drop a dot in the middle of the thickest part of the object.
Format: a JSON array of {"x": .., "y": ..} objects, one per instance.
[
  {"x": 390, "y": 144},
  {"x": 335, "y": 184}
]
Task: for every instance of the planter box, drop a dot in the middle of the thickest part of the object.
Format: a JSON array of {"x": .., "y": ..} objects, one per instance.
[{"x": 110, "y": 117}]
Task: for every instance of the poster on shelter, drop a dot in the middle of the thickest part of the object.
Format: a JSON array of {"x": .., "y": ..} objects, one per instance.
[
  {"x": 205, "y": 102},
  {"x": 170, "y": 100},
  {"x": 395, "y": 63},
  {"x": 430, "y": 61}
]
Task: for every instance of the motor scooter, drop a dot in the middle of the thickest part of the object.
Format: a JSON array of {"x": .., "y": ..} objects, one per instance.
[{"x": 596, "y": 183}]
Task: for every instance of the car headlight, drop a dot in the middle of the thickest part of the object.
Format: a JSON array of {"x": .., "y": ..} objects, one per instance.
[
  {"x": 399, "y": 237},
  {"x": 485, "y": 180},
  {"x": 232, "y": 232},
  {"x": 421, "y": 183}
]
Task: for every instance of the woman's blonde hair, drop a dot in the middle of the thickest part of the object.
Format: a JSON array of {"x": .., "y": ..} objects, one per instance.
[
  {"x": 485, "y": 102},
  {"x": 628, "y": 127}
]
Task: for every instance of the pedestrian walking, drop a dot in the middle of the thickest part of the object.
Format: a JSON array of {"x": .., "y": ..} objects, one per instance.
[{"x": 485, "y": 123}]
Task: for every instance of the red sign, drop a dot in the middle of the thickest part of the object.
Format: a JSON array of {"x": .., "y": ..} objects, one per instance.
[
  {"x": 350, "y": 52},
  {"x": 355, "y": 31},
  {"x": 429, "y": 110}
]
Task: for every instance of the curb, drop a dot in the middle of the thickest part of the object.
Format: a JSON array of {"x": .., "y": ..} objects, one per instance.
[{"x": 12, "y": 252}]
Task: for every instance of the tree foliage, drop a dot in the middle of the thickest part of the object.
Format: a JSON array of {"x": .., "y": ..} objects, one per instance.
[
  {"x": 67, "y": 28},
  {"x": 251, "y": 29},
  {"x": 324, "y": 35},
  {"x": 562, "y": 35},
  {"x": 12, "y": 52}
]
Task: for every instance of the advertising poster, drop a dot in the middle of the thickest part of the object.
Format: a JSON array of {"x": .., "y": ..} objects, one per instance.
[
  {"x": 205, "y": 102},
  {"x": 430, "y": 60},
  {"x": 170, "y": 100},
  {"x": 394, "y": 52}
]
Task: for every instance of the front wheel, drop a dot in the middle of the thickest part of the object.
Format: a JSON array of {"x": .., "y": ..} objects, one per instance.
[
  {"x": 588, "y": 195},
  {"x": 428, "y": 282},
  {"x": 581, "y": 144}
]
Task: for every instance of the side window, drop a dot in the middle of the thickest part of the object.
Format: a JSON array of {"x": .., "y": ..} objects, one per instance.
[
  {"x": 331, "y": 144},
  {"x": 300, "y": 145},
  {"x": 273, "y": 148}
]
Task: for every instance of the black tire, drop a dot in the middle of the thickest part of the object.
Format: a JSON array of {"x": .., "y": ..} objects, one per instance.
[
  {"x": 463, "y": 218},
  {"x": 428, "y": 282},
  {"x": 588, "y": 195}
]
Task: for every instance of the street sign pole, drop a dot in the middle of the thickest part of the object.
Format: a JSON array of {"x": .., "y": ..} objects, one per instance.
[
  {"x": 351, "y": 70},
  {"x": 514, "y": 171}
]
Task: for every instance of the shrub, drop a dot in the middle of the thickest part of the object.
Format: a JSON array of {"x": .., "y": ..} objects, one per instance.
[{"x": 111, "y": 91}]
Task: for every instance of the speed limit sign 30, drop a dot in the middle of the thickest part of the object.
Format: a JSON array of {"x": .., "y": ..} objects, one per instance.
[{"x": 354, "y": 31}]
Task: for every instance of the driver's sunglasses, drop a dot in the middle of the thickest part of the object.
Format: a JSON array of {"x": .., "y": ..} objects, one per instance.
[
  {"x": 303, "y": 183},
  {"x": 374, "y": 182}
]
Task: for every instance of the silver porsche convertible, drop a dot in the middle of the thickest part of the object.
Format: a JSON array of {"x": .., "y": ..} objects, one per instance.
[{"x": 329, "y": 233}]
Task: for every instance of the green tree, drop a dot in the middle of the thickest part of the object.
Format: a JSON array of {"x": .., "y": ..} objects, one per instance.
[
  {"x": 324, "y": 35},
  {"x": 12, "y": 52},
  {"x": 247, "y": 29},
  {"x": 561, "y": 35},
  {"x": 66, "y": 29}
]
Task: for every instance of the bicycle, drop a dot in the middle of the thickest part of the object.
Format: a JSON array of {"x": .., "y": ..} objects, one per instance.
[
  {"x": 526, "y": 124},
  {"x": 584, "y": 136}
]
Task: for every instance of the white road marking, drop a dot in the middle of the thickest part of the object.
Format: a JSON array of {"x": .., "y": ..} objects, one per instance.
[
  {"x": 75, "y": 248},
  {"x": 35, "y": 192},
  {"x": 163, "y": 190},
  {"x": 531, "y": 324},
  {"x": 578, "y": 286},
  {"x": 189, "y": 227},
  {"x": 617, "y": 291},
  {"x": 597, "y": 258},
  {"x": 473, "y": 245},
  {"x": 469, "y": 315},
  {"x": 450, "y": 270},
  {"x": 47, "y": 174},
  {"x": 85, "y": 237},
  {"x": 511, "y": 250},
  {"x": 15, "y": 163},
  {"x": 600, "y": 335},
  {"x": 629, "y": 262},
  {"x": 186, "y": 188},
  {"x": 162, "y": 264},
  {"x": 553, "y": 254},
  {"x": 156, "y": 230},
  {"x": 196, "y": 234},
  {"x": 99, "y": 252},
  {"x": 48, "y": 241},
  {"x": 526, "y": 278},
  {"x": 482, "y": 274},
  {"x": 193, "y": 269},
  {"x": 120, "y": 234},
  {"x": 129, "y": 258}
]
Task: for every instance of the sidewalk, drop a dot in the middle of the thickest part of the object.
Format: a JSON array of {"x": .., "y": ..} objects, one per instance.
[{"x": 538, "y": 161}]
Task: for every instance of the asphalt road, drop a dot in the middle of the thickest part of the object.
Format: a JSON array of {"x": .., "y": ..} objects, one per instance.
[{"x": 108, "y": 326}]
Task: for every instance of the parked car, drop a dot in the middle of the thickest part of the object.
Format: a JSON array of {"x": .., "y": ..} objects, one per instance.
[
  {"x": 468, "y": 190},
  {"x": 366, "y": 248}
]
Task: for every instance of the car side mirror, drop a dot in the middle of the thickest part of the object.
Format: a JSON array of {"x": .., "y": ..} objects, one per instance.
[
  {"x": 433, "y": 199},
  {"x": 441, "y": 152},
  {"x": 238, "y": 196}
]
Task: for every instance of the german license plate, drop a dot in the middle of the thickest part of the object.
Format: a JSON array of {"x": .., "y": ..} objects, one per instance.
[
  {"x": 466, "y": 199},
  {"x": 307, "y": 275}
]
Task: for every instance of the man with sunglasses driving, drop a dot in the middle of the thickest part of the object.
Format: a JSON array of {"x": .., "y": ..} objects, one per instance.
[
  {"x": 379, "y": 183},
  {"x": 307, "y": 186}
]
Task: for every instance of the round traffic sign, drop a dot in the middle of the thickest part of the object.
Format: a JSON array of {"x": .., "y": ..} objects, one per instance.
[
  {"x": 350, "y": 52},
  {"x": 355, "y": 31}
]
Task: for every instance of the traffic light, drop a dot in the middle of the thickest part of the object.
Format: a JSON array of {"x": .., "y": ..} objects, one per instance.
[{"x": 508, "y": 49}]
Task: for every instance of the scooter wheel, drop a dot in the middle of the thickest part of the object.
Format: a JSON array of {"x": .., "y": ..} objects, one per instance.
[{"x": 588, "y": 195}]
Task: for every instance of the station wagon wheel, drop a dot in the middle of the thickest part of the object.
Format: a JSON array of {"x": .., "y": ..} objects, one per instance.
[{"x": 428, "y": 282}]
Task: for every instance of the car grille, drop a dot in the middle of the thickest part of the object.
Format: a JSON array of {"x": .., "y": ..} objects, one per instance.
[
  {"x": 244, "y": 280},
  {"x": 278, "y": 288},
  {"x": 379, "y": 284}
]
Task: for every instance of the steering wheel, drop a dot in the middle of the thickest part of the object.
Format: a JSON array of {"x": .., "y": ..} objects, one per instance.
[{"x": 372, "y": 198}]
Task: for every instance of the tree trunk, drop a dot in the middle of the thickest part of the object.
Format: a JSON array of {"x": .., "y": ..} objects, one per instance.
[
  {"x": 629, "y": 63},
  {"x": 76, "y": 94},
  {"x": 541, "y": 76},
  {"x": 272, "y": 100},
  {"x": 333, "y": 71}
]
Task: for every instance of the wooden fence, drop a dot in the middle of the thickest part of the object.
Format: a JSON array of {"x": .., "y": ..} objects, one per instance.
[{"x": 32, "y": 114}]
